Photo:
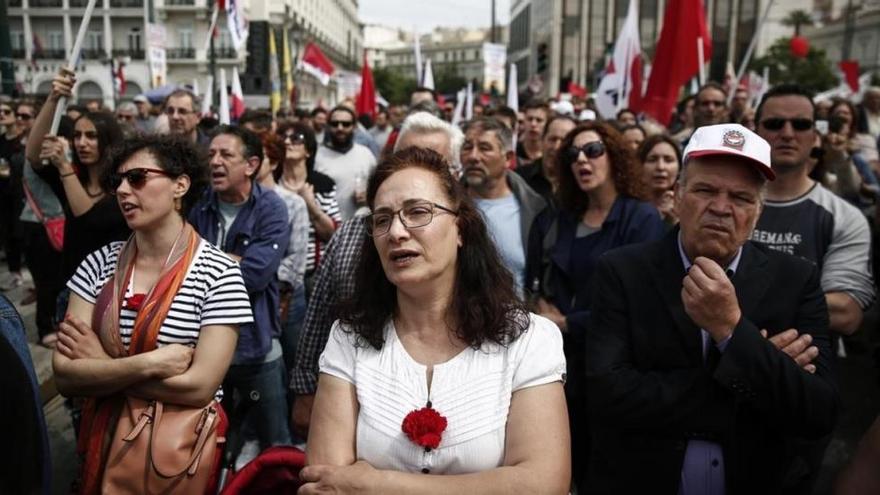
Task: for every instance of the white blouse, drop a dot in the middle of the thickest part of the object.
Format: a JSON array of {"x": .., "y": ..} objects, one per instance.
[{"x": 472, "y": 390}]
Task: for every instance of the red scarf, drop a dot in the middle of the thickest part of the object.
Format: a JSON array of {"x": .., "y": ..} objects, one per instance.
[{"x": 101, "y": 413}]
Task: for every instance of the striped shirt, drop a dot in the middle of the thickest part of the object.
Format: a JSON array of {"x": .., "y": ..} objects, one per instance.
[
  {"x": 327, "y": 202},
  {"x": 213, "y": 293}
]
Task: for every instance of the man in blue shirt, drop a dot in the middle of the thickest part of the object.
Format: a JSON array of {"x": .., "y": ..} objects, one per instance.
[{"x": 250, "y": 224}]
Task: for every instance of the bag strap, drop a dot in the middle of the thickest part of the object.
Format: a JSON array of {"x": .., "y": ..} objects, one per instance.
[
  {"x": 207, "y": 425},
  {"x": 38, "y": 212}
]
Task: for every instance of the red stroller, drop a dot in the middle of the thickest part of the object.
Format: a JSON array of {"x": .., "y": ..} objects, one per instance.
[{"x": 275, "y": 471}]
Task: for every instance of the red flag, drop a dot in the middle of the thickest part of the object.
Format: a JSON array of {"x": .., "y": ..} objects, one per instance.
[
  {"x": 119, "y": 77},
  {"x": 317, "y": 64},
  {"x": 850, "y": 70},
  {"x": 236, "y": 108},
  {"x": 675, "y": 61},
  {"x": 577, "y": 90},
  {"x": 366, "y": 99}
]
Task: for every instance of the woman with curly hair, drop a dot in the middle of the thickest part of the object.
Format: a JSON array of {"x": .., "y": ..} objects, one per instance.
[
  {"x": 600, "y": 208},
  {"x": 436, "y": 379}
]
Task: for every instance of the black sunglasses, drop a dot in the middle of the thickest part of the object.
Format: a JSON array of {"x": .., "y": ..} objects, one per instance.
[
  {"x": 344, "y": 123},
  {"x": 135, "y": 177},
  {"x": 594, "y": 149},
  {"x": 24, "y": 116},
  {"x": 776, "y": 124},
  {"x": 295, "y": 138}
]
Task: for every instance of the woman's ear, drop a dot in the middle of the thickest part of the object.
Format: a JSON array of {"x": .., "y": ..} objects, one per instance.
[{"x": 181, "y": 185}]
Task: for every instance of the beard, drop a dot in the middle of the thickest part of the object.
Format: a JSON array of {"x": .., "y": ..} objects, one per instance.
[{"x": 341, "y": 141}]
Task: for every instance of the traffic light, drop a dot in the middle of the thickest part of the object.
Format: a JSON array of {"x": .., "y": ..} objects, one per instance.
[{"x": 542, "y": 57}]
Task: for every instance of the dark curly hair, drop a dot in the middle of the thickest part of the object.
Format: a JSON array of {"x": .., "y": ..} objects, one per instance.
[
  {"x": 485, "y": 306},
  {"x": 310, "y": 140},
  {"x": 174, "y": 154},
  {"x": 625, "y": 172}
]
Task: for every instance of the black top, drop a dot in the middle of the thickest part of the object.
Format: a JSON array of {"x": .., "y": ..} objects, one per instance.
[
  {"x": 533, "y": 173},
  {"x": 321, "y": 182},
  {"x": 99, "y": 226}
]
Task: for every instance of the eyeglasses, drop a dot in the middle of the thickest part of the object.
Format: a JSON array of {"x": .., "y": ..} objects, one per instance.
[
  {"x": 135, "y": 177},
  {"x": 24, "y": 116},
  {"x": 170, "y": 111},
  {"x": 125, "y": 117},
  {"x": 413, "y": 215},
  {"x": 295, "y": 138},
  {"x": 6, "y": 111},
  {"x": 341, "y": 123},
  {"x": 776, "y": 124},
  {"x": 594, "y": 149}
]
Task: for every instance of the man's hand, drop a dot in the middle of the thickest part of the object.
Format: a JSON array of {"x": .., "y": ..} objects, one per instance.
[
  {"x": 76, "y": 340},
  {"x": 170, "y": 360},
  {"x": 301, "y": 414},
  {"x": 797, "y": 347},
  {"x": 552, "y": 313},
  {"x": 710, "y": 299}
]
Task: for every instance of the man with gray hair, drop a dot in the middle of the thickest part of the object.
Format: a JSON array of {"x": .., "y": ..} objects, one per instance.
[
  {"x": 334, "y": 280},
  {"x": 508, "y": 204}
]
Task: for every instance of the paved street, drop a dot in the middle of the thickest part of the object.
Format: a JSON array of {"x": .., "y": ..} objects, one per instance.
[{"x": 858, "y": 376}]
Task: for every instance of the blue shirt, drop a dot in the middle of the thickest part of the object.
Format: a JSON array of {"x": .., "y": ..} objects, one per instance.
[
  {"x": 702, "y": 471},
  {"x": 259, "y": 234},
  {"x": 502, "y": 219}
]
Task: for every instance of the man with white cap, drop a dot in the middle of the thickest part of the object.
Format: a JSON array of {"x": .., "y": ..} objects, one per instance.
[
  {"x": 143, "y": 121},
  {"x": 696, "y": 384}
]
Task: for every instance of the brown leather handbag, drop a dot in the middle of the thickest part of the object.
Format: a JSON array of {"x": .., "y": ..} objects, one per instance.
[{"x": 162, "y": 448}]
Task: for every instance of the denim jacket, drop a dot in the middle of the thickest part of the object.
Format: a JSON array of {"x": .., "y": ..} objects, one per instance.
[
  {"x": 12, "y": 331},
  {"x": 259, "y": 234}
]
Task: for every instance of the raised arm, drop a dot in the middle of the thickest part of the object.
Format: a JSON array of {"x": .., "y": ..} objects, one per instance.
[{"x": 62, "y": 85}]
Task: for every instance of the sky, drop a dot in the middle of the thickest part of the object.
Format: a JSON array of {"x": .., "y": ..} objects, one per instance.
[{"x": 424, "y": 15}]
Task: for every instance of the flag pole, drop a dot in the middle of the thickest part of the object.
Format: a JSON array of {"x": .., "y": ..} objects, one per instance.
[
  {"x": 748, "y": 56},
  {"x": 701, "y": 58},
  {"x": 61, "y": 107}
]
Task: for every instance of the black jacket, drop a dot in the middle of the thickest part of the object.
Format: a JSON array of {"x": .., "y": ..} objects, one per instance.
[{"x": 650, "y": 392}]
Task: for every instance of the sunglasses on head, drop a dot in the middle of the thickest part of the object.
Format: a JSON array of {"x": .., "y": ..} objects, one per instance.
[
  {"x": 135, "y": 177},
  {"x": 776, "y": 124},
  {"x": 343, "y": 123},
  {"x": 594, "y": 149}
]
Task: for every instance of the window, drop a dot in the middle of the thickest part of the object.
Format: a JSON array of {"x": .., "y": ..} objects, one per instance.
[
  {"x": 17, "y": 38},
  {"x": 56, "y": 40},
  {"x": 134, "y": 39},
  {"x": 185, "y": 37},
  {"x": 94, "y": 40}
]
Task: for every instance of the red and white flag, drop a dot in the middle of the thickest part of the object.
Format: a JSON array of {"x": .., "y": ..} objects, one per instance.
[
  {"x": 236, "y": 102},
  {"x": 366, "y": 99},
  {"x": 119, "y": 78},
  {"x": 621, "y": 86},
  {"x": 317, "y": 64},
  {"x": 236, "y": 22}
]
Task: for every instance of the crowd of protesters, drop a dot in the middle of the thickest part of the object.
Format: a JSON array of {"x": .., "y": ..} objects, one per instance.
[{"x": 668, "y": 300}]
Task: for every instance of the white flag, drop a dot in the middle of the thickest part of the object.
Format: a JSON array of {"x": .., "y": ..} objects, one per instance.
[
  {"x": 458, "y": 113},
  {"x": 512, "y": 89},
  {"x": 621, "y": 85},
  {"x": 208, "y": 101},
  {"x": 236, "y": 23},
  {"x": 428, "y": 79},
  {"x": 469, "y": 102},
  {"x": 224, "y": 99}
]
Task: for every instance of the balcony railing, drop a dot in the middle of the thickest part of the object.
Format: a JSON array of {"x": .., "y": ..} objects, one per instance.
[
  {"x": 15, "y": 3},
  {"x": 93, "y": 54},
  {"x": 46, "y": 3},
  {"x": 50, "y": 55},
  {"x": 18, "y": 53},
  {"x": 126, "y": 3},
  {"x": 225, "y": 52},
  {"x": 180, "y": 53},
  {"x": 125, "y": 52},
  {"x": 77, "y": 3},
  {"x": 189, "y": 3}
]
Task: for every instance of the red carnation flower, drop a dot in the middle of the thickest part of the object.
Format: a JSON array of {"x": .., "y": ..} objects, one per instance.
[
  {"x": 135, "y": 301},
  {"x": 424, "y": 427}
]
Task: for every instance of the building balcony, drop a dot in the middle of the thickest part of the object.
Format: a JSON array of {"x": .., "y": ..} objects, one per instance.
[
  {"x": 14, "y": 3},
  {"x": 180, "y": 3},
  {"x": 44, "y": 4},
  {"x": 50, "y": 55},
  {"x": 93, "y": 54},
  {"x": 127, "y": 4},
  {"x": 76, "y": 4},
  {"x": 18, "y": 53},
  {"x": 225, "y": 52},
  {"x": 125, "y": 52},
  {"x": 180, "y": 53}
]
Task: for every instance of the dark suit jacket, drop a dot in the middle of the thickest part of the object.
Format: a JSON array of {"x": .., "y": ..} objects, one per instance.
[{"x": 650, "y": 391}]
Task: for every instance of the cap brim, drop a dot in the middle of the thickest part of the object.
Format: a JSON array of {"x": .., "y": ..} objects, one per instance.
[{"x": 760, "y": 167}]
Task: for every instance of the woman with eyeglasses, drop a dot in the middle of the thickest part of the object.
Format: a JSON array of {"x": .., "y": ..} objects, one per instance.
[
  {"x": 155, "y": 317},
  {"x": 92, "y": 216},
  {"x": 600, "y": 208},
  {"x": 298, "y": 174},
  {"x": 436, "y": 379},
  {"x": 660, "y": 157}
]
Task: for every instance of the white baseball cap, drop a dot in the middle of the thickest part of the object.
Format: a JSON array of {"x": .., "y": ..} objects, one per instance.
[{"x": 731, "y": 140}]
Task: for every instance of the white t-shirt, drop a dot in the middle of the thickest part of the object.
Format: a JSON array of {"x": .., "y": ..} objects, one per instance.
[
  {"x": 212, "y": 293},
  {"x": 346, "y": 169},
  {"x": 472, "y": 390}
]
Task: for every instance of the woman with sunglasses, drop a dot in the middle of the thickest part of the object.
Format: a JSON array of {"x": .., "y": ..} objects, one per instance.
[
  {"x": 298, "y": 175},
  {"x": 92, "y": 216},
  {"x": 155, "y": 317},
  {"x": 436, "y": 379},
  {"x": 660, "y": 157},
  {"x": 11, "y": 199},
  {"x": 600, "y": 208}
]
